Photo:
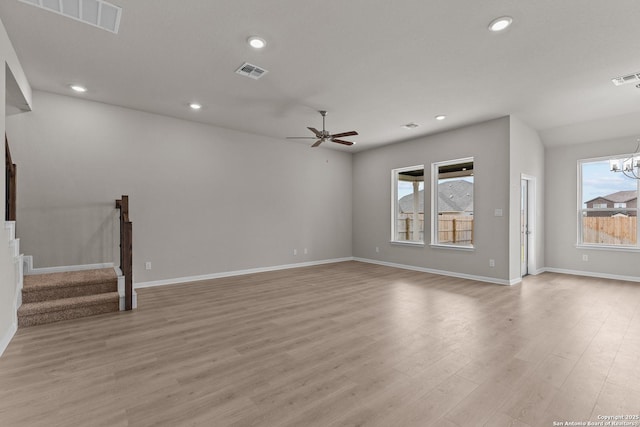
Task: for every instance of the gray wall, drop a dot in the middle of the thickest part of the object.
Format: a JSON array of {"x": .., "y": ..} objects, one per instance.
[
  {"x": 526, "y": 157},
  {"x": 488, "y": 143},
  {"x": 561, "y": 212},
  {"x": 203, "y": 199}
]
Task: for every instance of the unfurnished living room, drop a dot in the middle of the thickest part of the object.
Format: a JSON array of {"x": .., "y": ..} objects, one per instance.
[{"x": 320, "y": 213}]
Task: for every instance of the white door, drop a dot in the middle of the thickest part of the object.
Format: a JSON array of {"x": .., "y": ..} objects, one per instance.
[{"x": 524, "y": 227}]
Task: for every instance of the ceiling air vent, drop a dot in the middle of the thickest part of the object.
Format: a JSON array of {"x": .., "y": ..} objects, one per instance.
[
  {"x": 97, "y": 13},
  {"x": 252, "y": 71},
  {"x": 631, "y": 78}
]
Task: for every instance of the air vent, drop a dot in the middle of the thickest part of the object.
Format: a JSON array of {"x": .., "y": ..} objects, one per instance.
[
  {"x": 631, "y": 78},
  {"x": 97, "y": 13},
  {"x": 251, "y": 71}
]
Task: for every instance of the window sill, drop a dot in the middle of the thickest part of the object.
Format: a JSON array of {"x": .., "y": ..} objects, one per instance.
[
  {"x": 454, "y": 247},
  {"x": 608, "y": 248},
  {"x": 407, "y": 243}
]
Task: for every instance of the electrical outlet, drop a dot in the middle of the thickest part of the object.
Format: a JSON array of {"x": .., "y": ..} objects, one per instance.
[
  {"x": 147, "y": 265},
  {"x": 377, "y": 249},
  {"x": 585, "y": 257},
  {"x": 492, "y": 263},
  {"x": 306, "y": 251},
  {"x": 295, "y": 252}
]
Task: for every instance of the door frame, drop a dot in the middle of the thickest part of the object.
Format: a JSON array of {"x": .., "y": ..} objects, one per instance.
[{"x": 532, "y": 226}]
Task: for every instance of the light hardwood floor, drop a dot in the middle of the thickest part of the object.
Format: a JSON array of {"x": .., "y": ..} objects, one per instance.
[{"x": 345, "y": 344}]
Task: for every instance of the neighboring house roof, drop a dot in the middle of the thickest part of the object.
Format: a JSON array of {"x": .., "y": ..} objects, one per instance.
[
  {"x": 406, "y": 203},
  {"x": 618, "y": 197},
  {"x": 453, "y": 196}
]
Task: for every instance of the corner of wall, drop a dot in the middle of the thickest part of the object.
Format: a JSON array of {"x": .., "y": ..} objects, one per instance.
[{"x": 526, "y": 158}]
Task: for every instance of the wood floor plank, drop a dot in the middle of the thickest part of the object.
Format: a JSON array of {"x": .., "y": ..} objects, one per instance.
[{"x": 345, "y": 344}]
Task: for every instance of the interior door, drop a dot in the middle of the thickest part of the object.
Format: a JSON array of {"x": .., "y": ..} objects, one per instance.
[{"x": 524, "y": 227}]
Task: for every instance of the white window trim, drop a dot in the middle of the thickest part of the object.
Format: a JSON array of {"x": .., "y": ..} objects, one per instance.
[
  {"x": 579, "y": 243},
  {"x": 434, "y": 204},
  {"x": 394, "y": 201}
]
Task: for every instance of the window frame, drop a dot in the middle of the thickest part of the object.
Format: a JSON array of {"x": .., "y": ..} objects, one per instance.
[
  {"x": 582, "y": 210},
  {"x": 435, "y": 171},
  {"x": 394, "y": 207}
]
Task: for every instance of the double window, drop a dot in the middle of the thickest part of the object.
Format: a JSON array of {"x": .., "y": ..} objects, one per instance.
[
  {"x": 451, "y": 204},
  {"x": 607, "y": 204}
]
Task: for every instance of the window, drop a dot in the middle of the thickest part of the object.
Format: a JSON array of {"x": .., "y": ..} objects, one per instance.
[
  {"x": 452, "y": 194},
  {"x": 607, "y": 204},
  {"x": 407, "y": 218}
]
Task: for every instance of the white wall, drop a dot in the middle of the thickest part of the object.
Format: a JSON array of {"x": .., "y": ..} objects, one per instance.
[
  {"x": 562, "y": 218},
  {"x": 526, "y": 155},
  {"x": 203, "y": 200},
  {"x": 12, "y": 70},
  {"x": 488, "y": 143}
]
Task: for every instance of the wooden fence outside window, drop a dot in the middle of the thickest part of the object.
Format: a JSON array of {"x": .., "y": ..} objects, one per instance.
[
  {"x": 612, "y": 230},
  {"x": 452, "y": 229}
]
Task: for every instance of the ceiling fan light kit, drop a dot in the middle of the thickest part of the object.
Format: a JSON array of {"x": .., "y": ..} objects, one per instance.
[{"x": 324, "y": 134}]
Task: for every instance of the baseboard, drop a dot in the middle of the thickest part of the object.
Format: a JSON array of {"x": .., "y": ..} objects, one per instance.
[
  {"x": 537, "y": 271},
  {"x": 593, "y": 274},
  {"x": 494, "y": 280},
  {"x": 188, "y": 279},
  {"x": 29, "y": 269},
  {"x": 5, "y": 339}
]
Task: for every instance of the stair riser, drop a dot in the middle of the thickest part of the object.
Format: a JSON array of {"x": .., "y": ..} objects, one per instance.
[
  {"x": 48, "y": 294},
  {"x": 70, "y": 313}
]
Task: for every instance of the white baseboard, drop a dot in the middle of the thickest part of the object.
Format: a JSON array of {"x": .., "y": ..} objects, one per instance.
[
  {"x": 494, "y": 280},
  {"x": 188, "y": 279},
  {"x": 6, "y": 337},
  {"x": 29, "y": 269},
  {"x": 593, "y": 274},
  {"x": 538, "y": 271}
]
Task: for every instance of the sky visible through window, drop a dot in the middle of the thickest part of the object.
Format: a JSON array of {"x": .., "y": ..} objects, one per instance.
[{"x": 598, "y": 180}]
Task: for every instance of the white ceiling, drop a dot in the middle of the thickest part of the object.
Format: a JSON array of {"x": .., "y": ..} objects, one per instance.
[{"x": 375, "y": 65}]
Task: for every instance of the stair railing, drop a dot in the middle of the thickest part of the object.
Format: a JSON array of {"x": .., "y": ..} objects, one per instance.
[{"x": 126, "y": 250}]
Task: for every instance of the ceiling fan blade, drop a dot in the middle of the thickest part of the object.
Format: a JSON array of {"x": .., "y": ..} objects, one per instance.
[
  {"x": 301, "y": 137},
  {"x": 339, "y": 141},
  {"x": 316, "y": 132},
  {"x": 339, "y": 135},
  {"x": 318, "y": 142}
]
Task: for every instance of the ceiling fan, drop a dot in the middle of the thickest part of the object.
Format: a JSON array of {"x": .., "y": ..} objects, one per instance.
[{"x": 323, "y": 135}]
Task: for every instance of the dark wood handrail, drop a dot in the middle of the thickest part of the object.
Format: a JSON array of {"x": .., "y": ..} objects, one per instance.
[
  {"x": 10, "y": 190},
  {"x": 126, "y": 250}
]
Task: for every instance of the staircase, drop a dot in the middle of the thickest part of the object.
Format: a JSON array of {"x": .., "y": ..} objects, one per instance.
[{"x": 52, "y": 297}]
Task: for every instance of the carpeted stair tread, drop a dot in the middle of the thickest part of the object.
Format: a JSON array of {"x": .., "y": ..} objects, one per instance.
[
  {"x": 42, "y": 307},
  {"x": 68, "y": 279},
  {"x": 53, "y": 297}
]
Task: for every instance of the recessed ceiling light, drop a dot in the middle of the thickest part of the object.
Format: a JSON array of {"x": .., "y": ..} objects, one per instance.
[
  {"x": 410, "y": 126},
  {"x": 78, "y": 88},
  {"x": 195, "y": 106},
  {"x": 500, "y": 24},
  {"x": 256, "y": 42},
  {"x": 440, "y": 117}
]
